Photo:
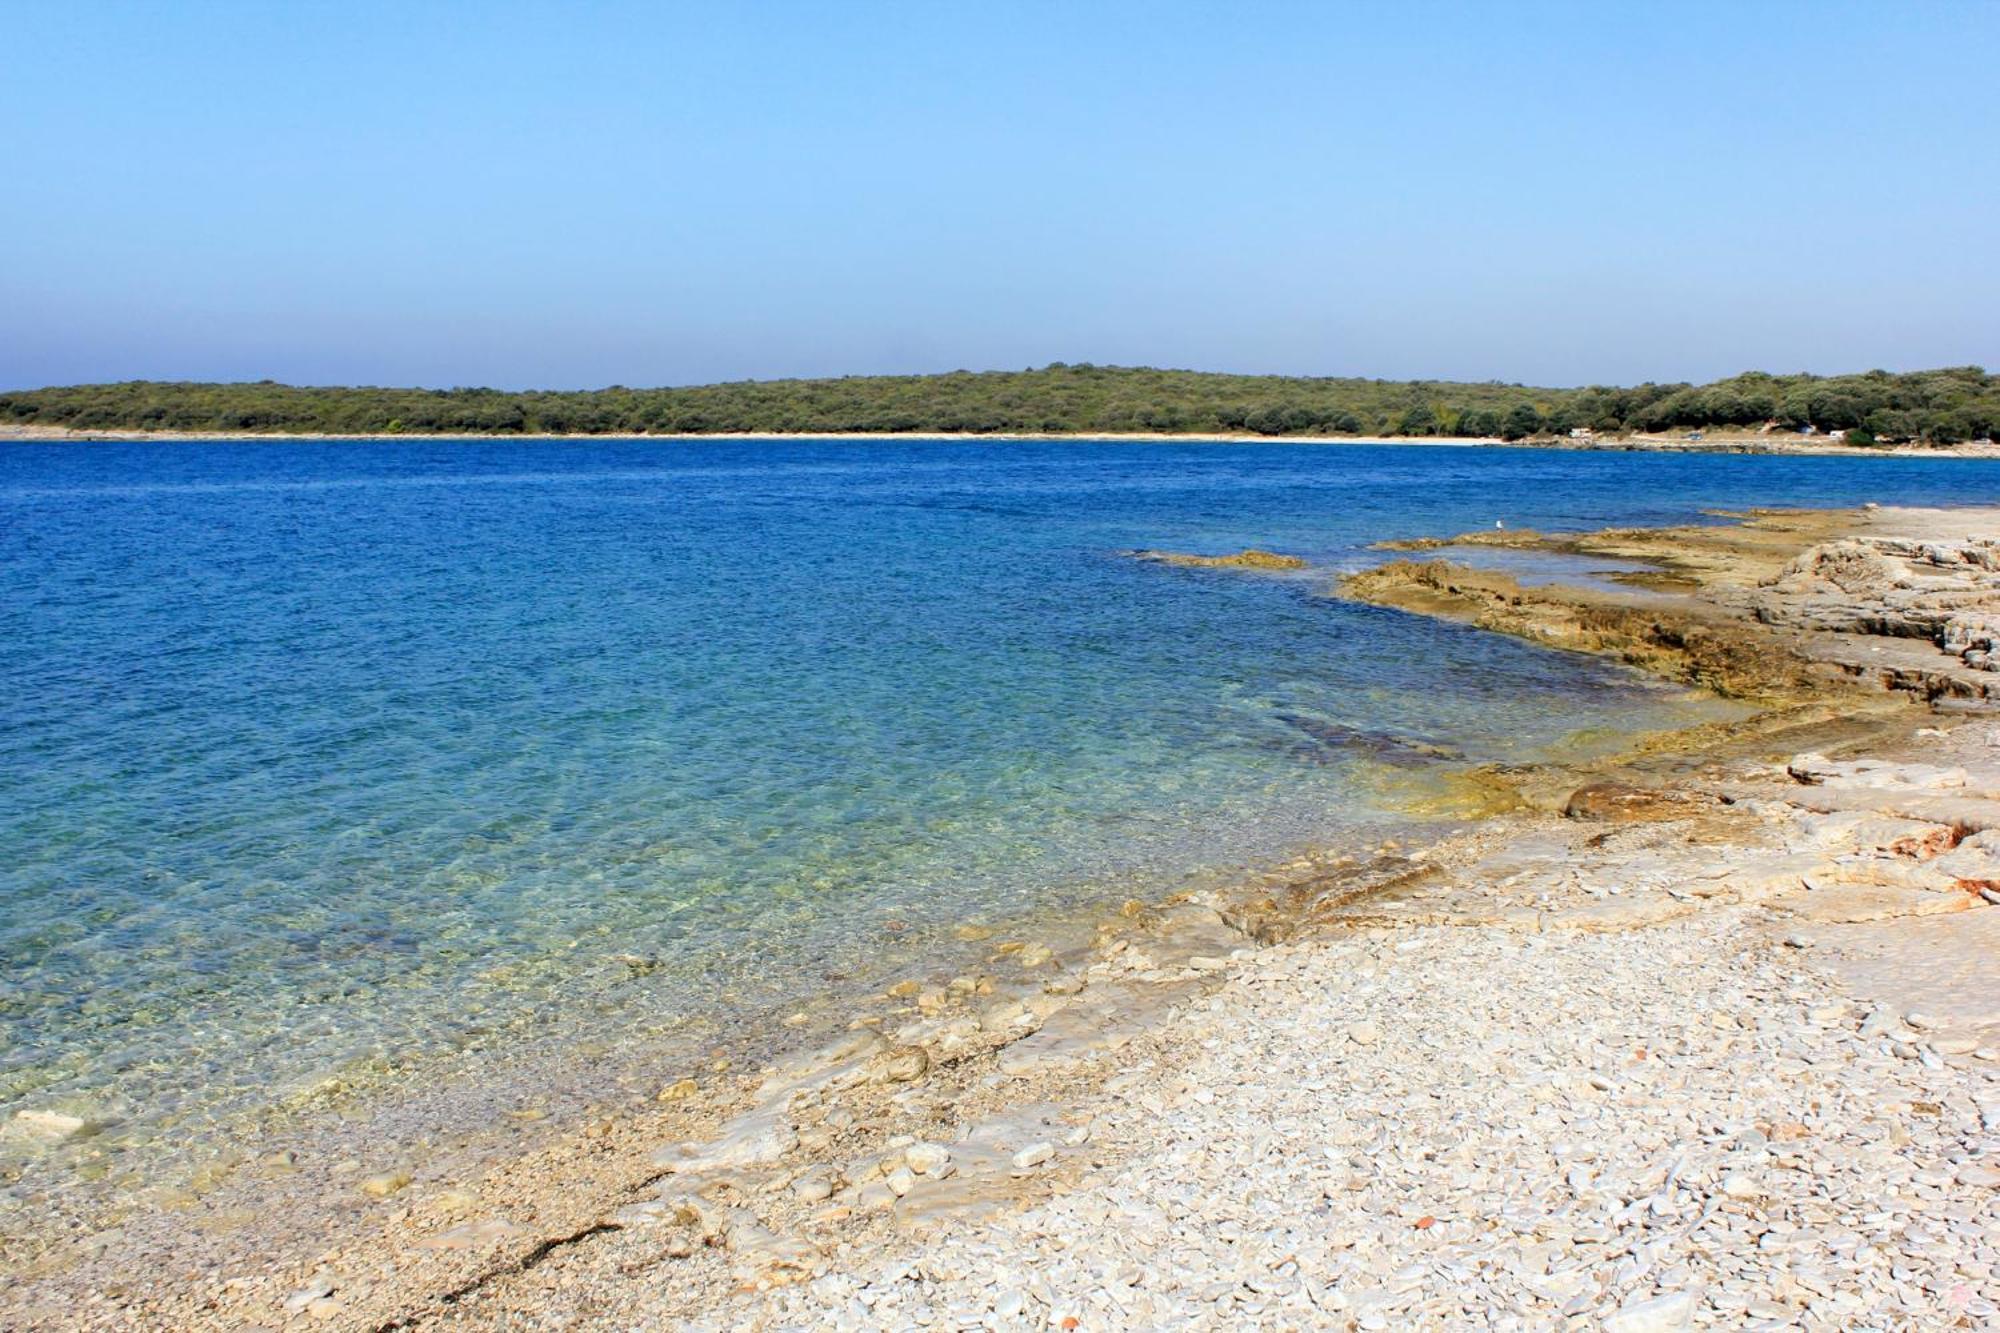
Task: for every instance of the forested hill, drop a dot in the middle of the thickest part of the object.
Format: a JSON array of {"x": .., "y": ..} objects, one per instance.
[{"x": 1936, "y": 407}]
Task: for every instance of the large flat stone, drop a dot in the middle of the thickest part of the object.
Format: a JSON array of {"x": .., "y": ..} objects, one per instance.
[{"x": 1873, "y": 902}]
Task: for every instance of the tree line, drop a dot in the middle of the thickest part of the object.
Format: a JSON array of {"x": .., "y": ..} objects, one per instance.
[{"x": 1938, "y": 407}]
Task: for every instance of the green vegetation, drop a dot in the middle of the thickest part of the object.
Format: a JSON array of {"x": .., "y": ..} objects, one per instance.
[{"x": 1939, "y": 407}]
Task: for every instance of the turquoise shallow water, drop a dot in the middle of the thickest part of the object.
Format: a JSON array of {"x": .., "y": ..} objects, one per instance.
[{"x": 313, "y": 754}]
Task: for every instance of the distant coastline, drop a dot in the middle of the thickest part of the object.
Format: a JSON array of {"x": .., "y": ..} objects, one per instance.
[
  {"x": 1941, "y": 409},
  {"x": 1712, "y": 443}
]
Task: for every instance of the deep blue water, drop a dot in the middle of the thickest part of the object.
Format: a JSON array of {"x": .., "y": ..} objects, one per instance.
[{"x": 312, "y": 752}]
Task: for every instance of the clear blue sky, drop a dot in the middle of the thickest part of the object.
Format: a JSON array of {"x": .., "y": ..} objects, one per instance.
[{"x": 573, "y": 195}]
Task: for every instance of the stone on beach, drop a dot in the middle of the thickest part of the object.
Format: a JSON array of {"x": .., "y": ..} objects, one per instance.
[
  {"x": 821, "y": 1182},
  {"x": 754, "y": 1139},
  {"x": 1975, "y": 863},
  {"x": 1661, "y": 1314},
  {"x": 1819, "y": 771},
  {"x": 382, "y": 1184},
  {"x": 926, "y": 1158},
  {"x": 483, "y": 1234},
  {"x": 1034, "y": 1155},
  {"x": 902, "y": 1065},
  {"x": 318, "y": 1289}
]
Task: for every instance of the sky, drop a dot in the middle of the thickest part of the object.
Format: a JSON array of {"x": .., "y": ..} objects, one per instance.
[{"x": 580, "y": 194}]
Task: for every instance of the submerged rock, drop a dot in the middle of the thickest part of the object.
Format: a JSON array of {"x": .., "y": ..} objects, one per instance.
[
  {"x": 1332, "y": 740},
  {"x": 52, "y": 1126},
  {"x": 1618, "y": 802},
  {"x": 1034, "y": 955},
  {"x": 1245, "y": 559}
]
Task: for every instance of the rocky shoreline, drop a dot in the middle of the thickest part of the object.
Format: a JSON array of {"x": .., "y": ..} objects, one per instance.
[{"x": 1705, "y": 1034}]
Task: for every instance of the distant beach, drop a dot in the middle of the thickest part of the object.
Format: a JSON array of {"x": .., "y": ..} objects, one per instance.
[{"x": 1711, "y": 443}]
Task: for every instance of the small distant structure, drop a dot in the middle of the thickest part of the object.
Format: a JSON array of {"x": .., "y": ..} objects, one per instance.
[
  {"x": 1582, "y": 433},
  {"x": 1694, "y": 437},
  {"x": 1809, "y": 429},
  {"x": 1837, "y": 435}
]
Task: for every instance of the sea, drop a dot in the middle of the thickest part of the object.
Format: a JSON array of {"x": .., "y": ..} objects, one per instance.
[{"x": 324, "y": 762}]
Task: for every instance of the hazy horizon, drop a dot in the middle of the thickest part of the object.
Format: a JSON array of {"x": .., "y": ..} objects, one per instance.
[{"x": 527, "y": 197}]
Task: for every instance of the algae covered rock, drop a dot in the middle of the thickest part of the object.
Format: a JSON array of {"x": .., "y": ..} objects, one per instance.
[
  {"x": 1246, "y": 559},
  {"x": 1619, "y": 803}
]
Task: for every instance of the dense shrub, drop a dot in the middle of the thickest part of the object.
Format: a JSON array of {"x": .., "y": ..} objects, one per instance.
[{"x": 1936, "y": 406}]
